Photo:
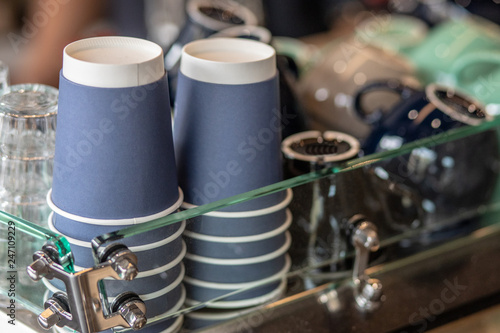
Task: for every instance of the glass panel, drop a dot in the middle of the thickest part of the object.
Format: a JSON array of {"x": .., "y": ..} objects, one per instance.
[
  {"x": 429, "y": 142},
  {"x": 20, "y": 240},
  {"x": 411, "y": 286},
  {"x": 388, "y": 188}
]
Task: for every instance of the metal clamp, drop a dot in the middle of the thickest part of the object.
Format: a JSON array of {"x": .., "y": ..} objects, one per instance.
[
  {"x": 82, "y": 308},
  {"x": 367, "y": 291}
]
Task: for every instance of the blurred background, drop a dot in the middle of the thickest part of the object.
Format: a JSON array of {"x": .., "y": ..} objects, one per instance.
[
  {"x": 328, "y": 52},
  {"x": 33, "y": 33}
]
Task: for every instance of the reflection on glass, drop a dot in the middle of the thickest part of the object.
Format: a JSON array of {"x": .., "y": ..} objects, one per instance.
[
  {"x": 319, "y": 227},
  {"x": 483, "y": 209},
  {"x": 4, "y": 77}
]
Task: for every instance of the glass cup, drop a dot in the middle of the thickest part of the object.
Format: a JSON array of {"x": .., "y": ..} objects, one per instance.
[{"x": 27, "y": 134}]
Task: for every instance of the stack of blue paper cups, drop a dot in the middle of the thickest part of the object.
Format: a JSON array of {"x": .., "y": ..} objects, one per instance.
[
  {"x": 227, "y": 135},
  {"x": 114, "y": 163}
]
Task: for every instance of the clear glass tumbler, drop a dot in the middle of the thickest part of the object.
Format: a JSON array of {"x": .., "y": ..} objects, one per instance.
[{"x": 27, "y": 139}]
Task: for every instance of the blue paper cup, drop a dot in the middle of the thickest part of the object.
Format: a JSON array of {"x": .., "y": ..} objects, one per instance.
[
  {"x": 149, "y": 256},
  {"x": 192, "y": 323},
  {"x": 237, "y": 247},
  {"x": 205, "y": 294},
  {"x": 168, "y": 326},
  {"x": 169, "y": 299},
  {"x": 203, "y": 291},
  {"x": 227, "y": 122},
  {"x": 86, "y": 232},
  {"x": 146, "y": 282},
  {"x": 240, "y": 224},
  {"x": 173, "y": 325},
  {"x": 166, "y": 300},
  {"x": 253, "y": 297},
  {"x": 114, "y": 156},
  {"x": 85, "y": 229},
  {"x": 236, "y": 270},
  {"x": 207, "y": 317}
]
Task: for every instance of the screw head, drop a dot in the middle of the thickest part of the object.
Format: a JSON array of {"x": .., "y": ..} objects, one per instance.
[
  {"x": 48, "y": 318},
  {"x": 125, "y": 269},
  {"x": 372, "y": 290},
  {"x": 366, "y": 236},
  {"x": 124, "y": 263},
  {"x": 134, "y": 314},
  {"x": 369, "y": 295},
  {"x": 55, "y": 310},
  {"x": 40, "y": 267}
]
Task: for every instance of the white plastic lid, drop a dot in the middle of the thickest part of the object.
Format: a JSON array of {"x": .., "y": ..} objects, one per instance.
[
  {"x": 113, "y": 62},
  {"x": 228, "y": 61}
]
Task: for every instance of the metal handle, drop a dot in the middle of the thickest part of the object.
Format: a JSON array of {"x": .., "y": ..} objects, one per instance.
[
  {"x": 373, "y": 116},
  {"x": 367, "y": 291}
]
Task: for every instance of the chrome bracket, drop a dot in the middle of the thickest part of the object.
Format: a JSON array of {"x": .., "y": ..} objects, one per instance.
[
  {"x": 367, "y": 291},
  {"x": 83, "y": 307}
]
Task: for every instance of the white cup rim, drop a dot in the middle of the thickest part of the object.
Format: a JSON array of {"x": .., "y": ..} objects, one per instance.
[
  {"x": 244, "y": 61},
  {"x": 218, "y": 316},
  {"x": 115, "y": 222},
  {"x": 167, "y": 289},
  {"x": 243, "y": 239},
  {"x": 138, "y": 248},
  {"x": 155, "y": 271},
  {"x": 243, "y": 261},
  {"x": 242, "y": 303},
  {"x": 236, "y": 286},
  {"x": 248, "y": 213},
  {"x": 144, "y": 297},
  {"x": 174, "y": 328},
  {"x": 140, "y": 62},
  {"x": 177, "y": 323}
]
